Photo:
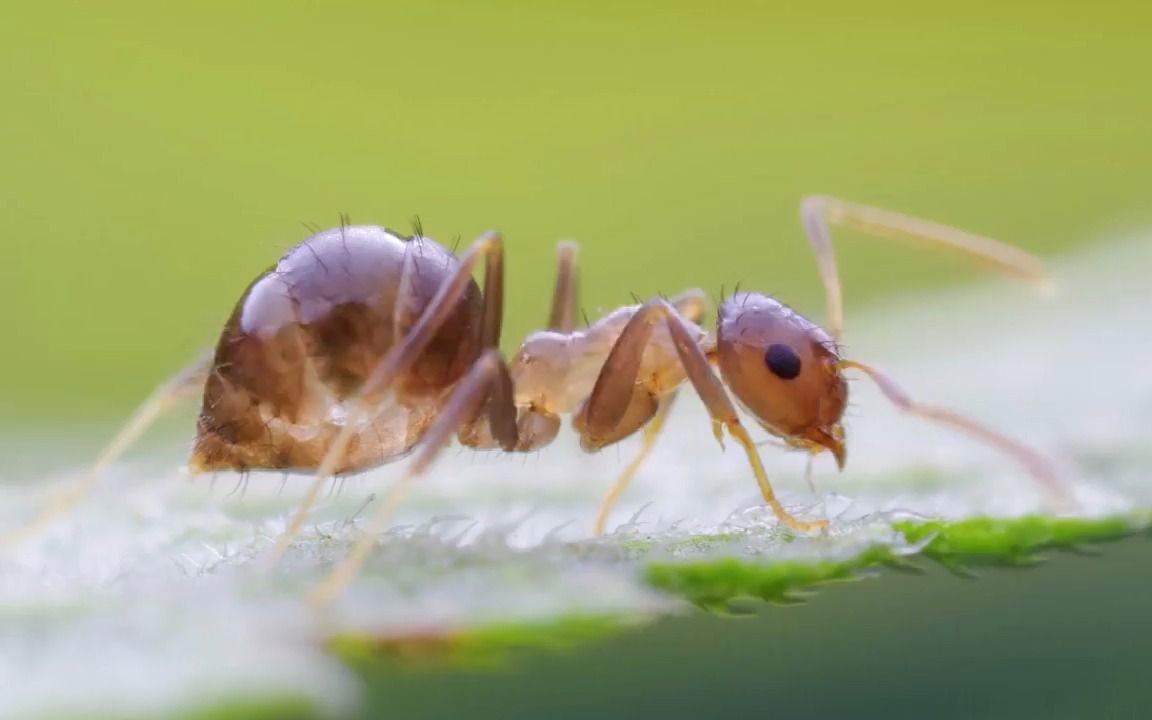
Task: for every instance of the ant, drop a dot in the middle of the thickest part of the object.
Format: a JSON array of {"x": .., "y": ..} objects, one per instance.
[{"x": 361, "y": 346}]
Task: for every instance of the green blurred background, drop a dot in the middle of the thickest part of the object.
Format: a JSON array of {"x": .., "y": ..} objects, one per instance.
[{"x": 154, "y": 157}]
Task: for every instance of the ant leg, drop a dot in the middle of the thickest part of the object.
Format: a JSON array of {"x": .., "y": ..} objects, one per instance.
[
  {"x": 647, "y": 442},
  {"x": 610, "y": 400},
  {"x": 620, "y": 403},
  {"x": 400, "y": 357},
  {"x": 186, "y": 382},
  {"x": 566, "y": 292},
  {"x": 817, "y": 213},
  {"x": 487, "y": 379},
  {"x": 534, "y": 429},
  {"x": 689, "y": 304},
  {"x": 808, "y": 477},
  {"x": 1038, "y": 466},
  {"x": 539, "y": 428}
]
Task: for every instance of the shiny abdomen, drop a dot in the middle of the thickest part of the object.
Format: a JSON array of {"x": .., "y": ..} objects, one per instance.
[{"x": 306, "y": 335}]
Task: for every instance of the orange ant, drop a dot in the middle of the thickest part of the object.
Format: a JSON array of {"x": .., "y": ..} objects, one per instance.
[{"x": 360, "y": 346}]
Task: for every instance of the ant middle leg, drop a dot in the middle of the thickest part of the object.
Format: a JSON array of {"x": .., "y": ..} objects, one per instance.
[
  {"x": 610, "y": 409},
  {"x": 1036, "y": 465},
  {"x": 484, "y": 393},
  {"x": 819, "y": 212},
  {"x": 400, "y": 357},
  {"x": 566, "y": 290}
]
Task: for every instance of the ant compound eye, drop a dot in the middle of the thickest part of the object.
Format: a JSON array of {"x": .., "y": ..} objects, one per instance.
[{"x": 782, "y": 361}]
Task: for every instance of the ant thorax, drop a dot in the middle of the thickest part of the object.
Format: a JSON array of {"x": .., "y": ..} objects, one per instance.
[{"x": 555, "y": 372}]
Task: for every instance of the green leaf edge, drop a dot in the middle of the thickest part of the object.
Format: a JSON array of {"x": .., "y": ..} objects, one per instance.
[
  {"x": 483, "y": 646},
  {"x": 713, "y": 585},
  {"x": 958, "y": 545}
]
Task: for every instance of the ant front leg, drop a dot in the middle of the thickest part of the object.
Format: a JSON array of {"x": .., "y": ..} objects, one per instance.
[
  {"x": 647, "y": 406},
  {"x": 485, "y": 390},
  {"x": 616, "y": 402},
  {"x": 186, "y": 382},
  {"x": 400, "y": 357},
  {"x": 647, "y": 442},
  {"x": 1038, "y": 466}
]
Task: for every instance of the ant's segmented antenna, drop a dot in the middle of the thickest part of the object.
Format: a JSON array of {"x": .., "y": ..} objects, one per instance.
[
  {"x": 1038, "y": 466},
  {"x": 818, "y": 213}
]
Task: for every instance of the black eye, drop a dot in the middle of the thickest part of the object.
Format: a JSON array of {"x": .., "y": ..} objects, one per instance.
[{"x": 782, "y": 361}]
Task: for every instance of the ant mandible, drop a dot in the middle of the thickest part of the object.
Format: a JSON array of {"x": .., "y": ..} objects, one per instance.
[{"x": 360, "y": 346}]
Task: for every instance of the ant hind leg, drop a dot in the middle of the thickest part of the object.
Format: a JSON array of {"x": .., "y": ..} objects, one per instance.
[
  {"x": 186, "y": 382},
  {"x": 488, "y": 379},
  {"x": 399, "y": 359}
]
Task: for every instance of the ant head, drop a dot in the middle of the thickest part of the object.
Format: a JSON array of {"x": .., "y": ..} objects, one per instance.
[{"x": 783, "y": 368}]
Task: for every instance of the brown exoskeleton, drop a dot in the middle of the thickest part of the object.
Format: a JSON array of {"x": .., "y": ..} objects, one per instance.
[{"x": 360, "y": 346}]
